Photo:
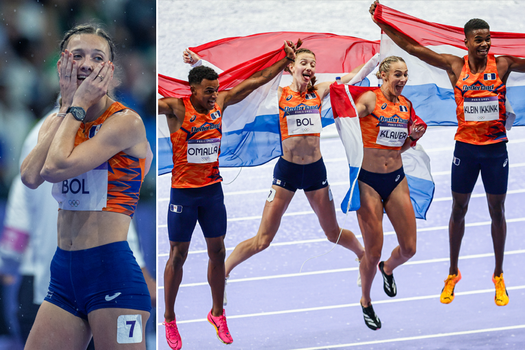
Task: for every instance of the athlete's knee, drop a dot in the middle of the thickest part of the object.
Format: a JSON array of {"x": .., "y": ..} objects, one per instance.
[
  {"x": 408, "y": 251},
  {"x": 373, "y": 256},
  {"x": 333, "y": 235},
  {"x": 218, "y": 254},
  {"x": 497, "y": 211},
  {"x": 497, "y": 217},
  {"x": 459, "y": 211},
  {"x": 177, "y": 255}
]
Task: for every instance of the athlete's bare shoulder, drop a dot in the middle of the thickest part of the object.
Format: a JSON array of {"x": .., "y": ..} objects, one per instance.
[
  {"x": 366, "y": 103},
  {"x": 454, "y": 66},
  {"x": 174, "y": 110},
  {"x": 367, "y": 96},
  {"x": 408, "y": 102},
  {"x": 279, "y": 93},
  {"x": 127, "y": 118},
  {"x": 171, "y": 107},
  {"x": 507, "y": 64}
]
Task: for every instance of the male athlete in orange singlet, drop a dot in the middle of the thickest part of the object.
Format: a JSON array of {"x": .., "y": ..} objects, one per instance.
[
  {"x": 479, "y": 81},
  {"x": 196, "y": 194}
]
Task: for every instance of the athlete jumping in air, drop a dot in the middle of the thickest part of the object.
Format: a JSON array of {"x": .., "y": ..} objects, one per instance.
[
  {"x": 478, "y": 80},
  {"x": 301, "y": 166},
  {"x": 196, "y": 195},
  {"x": 384, "y": 112}
]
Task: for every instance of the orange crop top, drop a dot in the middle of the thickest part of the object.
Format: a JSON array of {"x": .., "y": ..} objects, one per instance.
[
  {"x": 113, "y": 186},
  {"x": 299, "y": 114},
  {"x": 387, "y": 126}
]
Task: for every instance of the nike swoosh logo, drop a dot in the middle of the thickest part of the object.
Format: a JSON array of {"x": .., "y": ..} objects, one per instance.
[{"x": 109, "y": 298}]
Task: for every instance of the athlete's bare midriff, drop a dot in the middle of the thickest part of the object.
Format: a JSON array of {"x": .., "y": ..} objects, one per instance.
[
  {"x": 87, "y": 229},
  {"x": 381, "y": 161},
  {"x": 302, "y": 149}
]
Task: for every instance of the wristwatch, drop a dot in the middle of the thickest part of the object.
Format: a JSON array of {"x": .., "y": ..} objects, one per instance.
[{"x": 78, "y": 112}]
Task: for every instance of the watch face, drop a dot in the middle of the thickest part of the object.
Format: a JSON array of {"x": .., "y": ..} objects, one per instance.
[{"x": 78, "y": 113}]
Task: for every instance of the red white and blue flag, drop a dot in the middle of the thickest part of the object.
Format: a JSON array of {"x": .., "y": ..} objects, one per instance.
[
  {"x": 428, "y": 87},
  {"x": 251, "y": 134},
  {"x": 250, "y": 129},
  {"x": 416, "y": 162}
]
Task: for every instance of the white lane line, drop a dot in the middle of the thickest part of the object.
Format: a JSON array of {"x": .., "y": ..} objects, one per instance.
[
  {"x": 342, "y": 306},
  {"x": 387, "y": 233},
  {"x": 337, "y": 209},
  {"x": 447, "y": 172},
  {"x": 478, "y": 195},
  {"x": 419, "y": 337},
  {"x": 332, "y": 184},
  {"x": 346, "y": 183},
  {"x": 348, "y": 269}
]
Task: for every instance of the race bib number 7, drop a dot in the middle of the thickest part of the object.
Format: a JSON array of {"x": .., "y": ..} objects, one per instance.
[{"x": 129, "y": 329}]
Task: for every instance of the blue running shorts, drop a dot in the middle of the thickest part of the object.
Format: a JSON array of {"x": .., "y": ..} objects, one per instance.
[
  {"x": 307, "y": 177},
  {"x": 107, "y": 276},
  {"x": 492, "y": 160},
  {"x": 202, "y": 204}
]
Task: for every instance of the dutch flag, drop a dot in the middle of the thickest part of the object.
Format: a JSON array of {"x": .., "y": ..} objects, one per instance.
[
  {"x": 251, "y": 134},
  {"x": 416, "y": 162},
  {"x": 429, "y": 88}
]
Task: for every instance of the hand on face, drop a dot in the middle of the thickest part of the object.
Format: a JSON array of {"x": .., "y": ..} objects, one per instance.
[
  {"x": 67, "y": 73},
  {"x": 95, "y": 86}
]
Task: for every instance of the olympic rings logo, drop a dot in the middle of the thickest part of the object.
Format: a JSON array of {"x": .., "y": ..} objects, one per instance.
[{"x": 74, "y": 203}]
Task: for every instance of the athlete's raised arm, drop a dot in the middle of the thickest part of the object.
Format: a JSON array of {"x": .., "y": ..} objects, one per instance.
[
  {"x": 34, "y": 162},
  {"x": 324, "y": 88},
  {"x": 174, "y": 110},
  {"x": 452, "y": 64},
  {"x": 508, "y": 64},
  {"x": 239, "y": 92},
  {"x": 190, "y": 57},
  {"x": 194, "y": 60}
]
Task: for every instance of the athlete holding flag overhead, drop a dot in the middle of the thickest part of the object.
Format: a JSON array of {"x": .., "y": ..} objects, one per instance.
[
  {"x": 195, "y": 125},
  {"x": 301, "y": 165},
  {"x": 479, "y": 81}
]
